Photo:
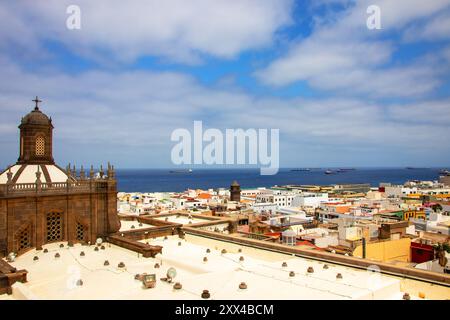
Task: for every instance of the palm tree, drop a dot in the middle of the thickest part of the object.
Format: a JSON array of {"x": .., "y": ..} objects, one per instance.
[
  {"x": 436, "y": 207},
  {"x": 439, "y": 250}
]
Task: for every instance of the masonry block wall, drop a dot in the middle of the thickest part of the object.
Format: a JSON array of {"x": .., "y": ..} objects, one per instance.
[{"x": 75, "y": 218}]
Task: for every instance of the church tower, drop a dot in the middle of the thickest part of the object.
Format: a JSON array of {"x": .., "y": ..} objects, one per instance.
[
  {"x": 36, "y": 138},
  {"x": 235, "y": 191},
  {"x": 41, "y": 203}
]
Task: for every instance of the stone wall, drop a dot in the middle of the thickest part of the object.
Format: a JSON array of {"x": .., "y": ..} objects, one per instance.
[{"x": 95, "y": 211}]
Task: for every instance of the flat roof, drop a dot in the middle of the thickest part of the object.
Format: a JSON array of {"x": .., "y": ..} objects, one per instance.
[
  {"x": 182, "y": 219},
  {"x": 126, "y": 225},
  {"x": 261, "y": 270}
]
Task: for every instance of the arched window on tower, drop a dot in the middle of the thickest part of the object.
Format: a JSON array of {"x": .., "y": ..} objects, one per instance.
[{"x": 40, "y": 146}]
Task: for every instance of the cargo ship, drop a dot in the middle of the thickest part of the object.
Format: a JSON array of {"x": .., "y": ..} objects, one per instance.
[{"x": 181, "y": 171}]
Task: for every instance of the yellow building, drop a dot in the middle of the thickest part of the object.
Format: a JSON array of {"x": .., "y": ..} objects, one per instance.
[
  {"x": 385, "y": 251},
  {"x": 416, "y": 214}
]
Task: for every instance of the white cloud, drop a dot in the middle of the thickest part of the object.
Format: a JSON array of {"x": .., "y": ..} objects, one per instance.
[
  {"x": 446, "y": 54},
  {"x": 395, "y": 15},
  {"x": 398, "y": 13},
  {"x": 344, "y": 56},
  {"x": 319, "y": 56},
  {"x": 125, "y": 30},
  {"x": 128, "y": 117},
  {"x": 412, "y": 81},
  {"x": 436, "y": 112},
  {"x": 434, "y": 29}
]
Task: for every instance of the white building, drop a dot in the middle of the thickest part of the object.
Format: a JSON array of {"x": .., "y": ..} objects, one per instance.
[
  {"x": 424, "y": 187},
  {"x": 279, "y": 197},
  {"x": 309, "y": 199},
  {"x": 178, "y": 202},
  {"x": 251, "y": 193},
  {"x": 438, "y": 223},
  {"x": 265, "y": 207}
]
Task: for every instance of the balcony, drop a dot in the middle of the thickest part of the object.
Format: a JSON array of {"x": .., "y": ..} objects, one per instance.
[{"x": 42, "y": 189}]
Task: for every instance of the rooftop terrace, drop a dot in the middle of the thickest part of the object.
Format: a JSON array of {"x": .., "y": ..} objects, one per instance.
[{"x": 221, "y": 274}]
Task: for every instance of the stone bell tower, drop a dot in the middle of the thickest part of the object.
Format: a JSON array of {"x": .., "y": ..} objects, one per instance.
[
  {"x": 235, "y": 191},
  {"x": 36, "y": 138},
  {"x": 41, "y": 203}
]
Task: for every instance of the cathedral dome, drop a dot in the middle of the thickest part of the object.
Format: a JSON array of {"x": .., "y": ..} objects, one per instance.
[
  {"x": 36, "y": 117},
  {"x": 27, "y": 174}
]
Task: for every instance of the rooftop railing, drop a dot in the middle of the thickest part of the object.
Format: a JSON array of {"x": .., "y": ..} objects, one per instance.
[{"x": 46, "y": 188}]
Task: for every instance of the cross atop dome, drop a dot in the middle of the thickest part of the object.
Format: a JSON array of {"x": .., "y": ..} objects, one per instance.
[{"x": 37, "y": 101}]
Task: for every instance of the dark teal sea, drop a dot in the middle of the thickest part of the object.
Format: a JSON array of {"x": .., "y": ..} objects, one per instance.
[{"x": 151, "y": 180}]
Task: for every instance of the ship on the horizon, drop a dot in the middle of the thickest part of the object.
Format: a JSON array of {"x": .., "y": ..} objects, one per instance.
[
  {"x": 301, "y": 169},
  {"x": 181, "y": 171},
  {"x": 345, "y": 169}
]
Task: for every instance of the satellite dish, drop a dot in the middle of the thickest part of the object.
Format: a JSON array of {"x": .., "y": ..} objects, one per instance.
[{"x": 171, "y": 273}]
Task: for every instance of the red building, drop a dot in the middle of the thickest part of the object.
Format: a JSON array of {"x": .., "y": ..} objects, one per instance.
[{"x": 421, "y": 252}]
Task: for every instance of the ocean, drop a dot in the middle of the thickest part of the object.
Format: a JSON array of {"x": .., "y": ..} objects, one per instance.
[{"x": 153, "y": 180}]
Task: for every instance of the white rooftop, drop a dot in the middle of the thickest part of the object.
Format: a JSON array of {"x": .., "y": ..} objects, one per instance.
[
  {"x": 128, "y": 225},
  {"x": 261, "y": 270},
  {"x": 180, "y": 219}
]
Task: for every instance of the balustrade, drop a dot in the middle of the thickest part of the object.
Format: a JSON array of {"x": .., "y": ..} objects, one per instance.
[{"x": 80, "y": 186}]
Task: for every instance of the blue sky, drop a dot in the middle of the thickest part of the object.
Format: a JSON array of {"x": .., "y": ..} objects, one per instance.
[{"x": 340, "y": 94}]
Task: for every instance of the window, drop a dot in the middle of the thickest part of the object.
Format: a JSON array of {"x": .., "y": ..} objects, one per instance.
[
  {"x": 40, "y": 146},
  {"x": 24, "y": 239},
  {"x": 54, "y": 227},
  {"x": 80, "y": 232}
]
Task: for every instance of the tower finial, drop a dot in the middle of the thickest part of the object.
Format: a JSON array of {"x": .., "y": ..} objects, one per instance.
[
  {"x": 82, "y": 173},
  {"x": 37, "y": 101},
  {"x": 38, "y": 175},
  {"x": 9, "y": 175}
]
